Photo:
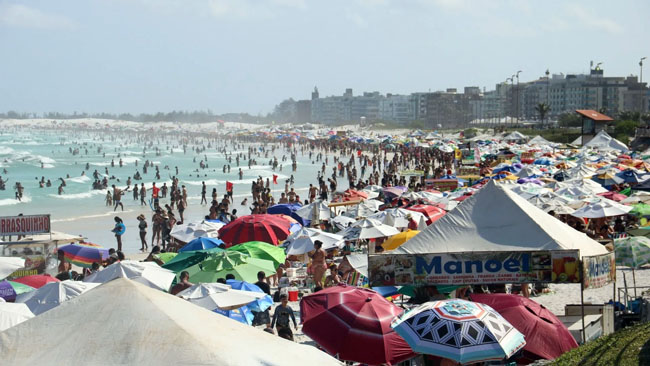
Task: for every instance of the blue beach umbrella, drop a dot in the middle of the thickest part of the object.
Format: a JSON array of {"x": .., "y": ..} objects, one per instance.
[
  {"x": 288, "y": 209},
  {"x": 201, "y": 243},
  {"x": 242, "y": 314},
  {"x": 257, "y": 305},
  {"x": 459, "y": 330}
]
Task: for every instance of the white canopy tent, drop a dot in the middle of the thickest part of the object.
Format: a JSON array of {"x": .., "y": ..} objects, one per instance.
[
  {"x": 497, "y": 219},
  {"x": 124, "y": 316},
  {"x": 12, "y": 314},
  {"x": 603, "y": 141},
  {"x": 53, "y": 294},
  {"x": 147, "y": 273}
]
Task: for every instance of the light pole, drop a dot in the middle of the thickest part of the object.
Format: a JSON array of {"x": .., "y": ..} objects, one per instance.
[
  {"x": 548, "y": 92},
  {"x": 641, "y": 67},
  {"x": 505, "y": 95},
  {"x": 517, "y": 99}
]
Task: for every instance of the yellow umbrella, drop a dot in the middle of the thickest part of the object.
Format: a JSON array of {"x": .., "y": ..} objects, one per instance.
[{"x": 399, "y": 239}]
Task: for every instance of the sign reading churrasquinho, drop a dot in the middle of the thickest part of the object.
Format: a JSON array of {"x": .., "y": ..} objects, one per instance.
[{"x": 473, "y": 268}]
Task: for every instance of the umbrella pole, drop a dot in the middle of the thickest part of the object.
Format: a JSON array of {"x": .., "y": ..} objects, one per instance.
[
  {"x": 634, "y": 281},
  {"x": 625, "y": 284}
]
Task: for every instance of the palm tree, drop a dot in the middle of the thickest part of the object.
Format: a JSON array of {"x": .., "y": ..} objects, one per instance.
[{"x": 542, "y": 109}]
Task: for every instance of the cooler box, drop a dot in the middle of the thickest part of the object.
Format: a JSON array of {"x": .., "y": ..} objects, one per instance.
[
  {"x": 593, "y": 330},
  {"x": 606, "y": 310},
  {"x": 293, "y": 294}
]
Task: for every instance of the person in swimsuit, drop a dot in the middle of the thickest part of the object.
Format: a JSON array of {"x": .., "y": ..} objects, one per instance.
[{"x": 318, "y": 264}]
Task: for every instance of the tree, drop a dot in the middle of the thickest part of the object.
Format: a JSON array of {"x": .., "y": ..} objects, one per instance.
[{"x": 542, "y": 109}]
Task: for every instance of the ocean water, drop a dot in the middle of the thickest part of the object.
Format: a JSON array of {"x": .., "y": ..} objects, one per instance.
[{"x": 29, "y": 155}]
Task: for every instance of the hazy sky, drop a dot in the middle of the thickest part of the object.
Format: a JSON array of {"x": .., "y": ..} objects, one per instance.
[{"x": 247, "y": 55}]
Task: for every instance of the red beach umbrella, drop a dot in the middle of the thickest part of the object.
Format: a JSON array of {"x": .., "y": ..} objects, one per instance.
[
  {"x": 36, "y": 281},
  {"x": 267, "y": 228},
  {"x": 613, "y": 196},
  {"x": 354, "y": 195},
  {"x": 354, "y": 323},
  {"x": 546, "y": 336},
  {"x": 432, "y": 213}
]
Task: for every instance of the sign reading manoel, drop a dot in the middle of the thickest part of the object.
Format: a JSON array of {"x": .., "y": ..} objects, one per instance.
[
  {"x": 24, "y": 225},
  {"x": 473, "y": 268},
  {"x": 599, "y": 270}
]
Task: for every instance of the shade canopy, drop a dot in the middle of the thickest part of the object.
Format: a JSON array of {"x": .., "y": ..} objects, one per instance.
[
  {"x": 497, "y": 219},
  {"x": 192, "y": 335},
  {"x": 147, "y": 273},
  {"x": 53, "y": 294}
]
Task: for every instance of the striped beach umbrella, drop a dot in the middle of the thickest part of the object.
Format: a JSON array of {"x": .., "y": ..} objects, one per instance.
[
  {"x": 633, "y": 251},
  {"x": 10, "y": 289},
  {"x": 459, "y": 330},
  {"x": 84, "y": 254}
]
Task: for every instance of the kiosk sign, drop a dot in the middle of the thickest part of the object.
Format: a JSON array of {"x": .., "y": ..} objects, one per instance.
[
  {"x": 473, "y": 268},
  {"x": 24, "y": 225}
]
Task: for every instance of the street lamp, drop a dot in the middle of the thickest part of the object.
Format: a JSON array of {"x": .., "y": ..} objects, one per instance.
[
  {"x": 641, "y": 67},
  {"x": 517, "y": 99}
]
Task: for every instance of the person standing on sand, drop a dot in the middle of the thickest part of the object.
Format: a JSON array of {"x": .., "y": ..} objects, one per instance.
[
  {"x": 119, "y": 230},
  {"x": 142, "y": 226},
  {"x": 156, "y": 221},
  {"x": 318, "y": 264},
  {"x": 281, "y": 316}
]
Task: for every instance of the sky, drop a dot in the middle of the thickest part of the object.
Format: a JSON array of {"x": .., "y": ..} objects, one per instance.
[{"x": 145, "y": 56}]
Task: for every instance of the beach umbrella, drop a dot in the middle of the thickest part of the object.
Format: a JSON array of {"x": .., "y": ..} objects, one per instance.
[
  {"x": 633, "y": 251},
  {"x": 546, "y": 336},
  {"x": 342, "y": 221},
  {"x": 631, "y": 176},
  {"x": 261, "y": 250},
  {"x": 558, "y": 209},
  {"x": 601, "y": 208},
  {"x": 201, "y": 243},
  {"x": 166, "y": 257},
  {"x": 354, "y": 195},
  {"x": 84, "y": 254},
  {"x": 399, "y": 239},
  {"x": 302, "y": 241},
  {"x": 392, "y": 192},
  {"x": 147, "y": 273},
  {"x": 241, "y": 314},
  {"x": 53, "y": 294},
  {"x": 398, "y": 217},
  {"x": 189, "y": 258},
  {"x": 616, "y": 197},
  {"x": 12, "y": 314},
  {"x": 368, "y": 229},
  {"x": 266, "y": 228},
  {"x": 288, "y": 209},
  {"x": 640, "y": 209},
  {"x": 242, "y": 266},
  {"x": 217, "y": 295},
  {"x": 10, "y": 289},
  {"x": 342, "y": 318},
  {"x": 260, "y": 304},
  {"x": 459, "y": 330},
  {"x": 9, "y": 265},
  {"x": 607, "y": 179},
  {"x": 561, "y": 176},
  {"x": 432, "y": 213},
  {"x": 188, "y": 232},
  {"x": 637, "y": 197},
  {"x": 317, "y": 210},
  {"x": 36, "y": 281}
]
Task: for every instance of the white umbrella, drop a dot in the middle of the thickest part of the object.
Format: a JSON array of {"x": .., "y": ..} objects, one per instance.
[
  {"x": 638, "y": 197},
  {"x": 53, "y": 294},
  {"x": 342, "y": 221},
  {"x": 10, "y": 264},
  {"x": 557, "y": 209},
  {"x": 317, "y": 210},
  {"x": 302, "y": 241},
  {"x": 368, "y": 229},
  {"x": 193, "y": 230},
  {"x": 147, "y": 273},
  {"x": 602, "y": 208},
  {"x": 367, "y": 208},
  {"x": 218, "y": 295},
  {"x": 12, "y": 314},
  {"x": 397, "y": 217}
]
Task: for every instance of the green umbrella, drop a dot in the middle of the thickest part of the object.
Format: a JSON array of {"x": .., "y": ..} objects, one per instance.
[
  {"x": 261, "y": 250},
  {"x": 187, "y": 259},
  {"x": 166, "y": 257},
  {"x": 242, "y": 266},
  {"x": 640, "y": 209},
  {"x": 632, "y": 251}
]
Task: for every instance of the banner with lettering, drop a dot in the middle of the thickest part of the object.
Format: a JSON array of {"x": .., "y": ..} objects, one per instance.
[
  {"x": 473, "y": 268},
  {"x": 599, "y": 270}
]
